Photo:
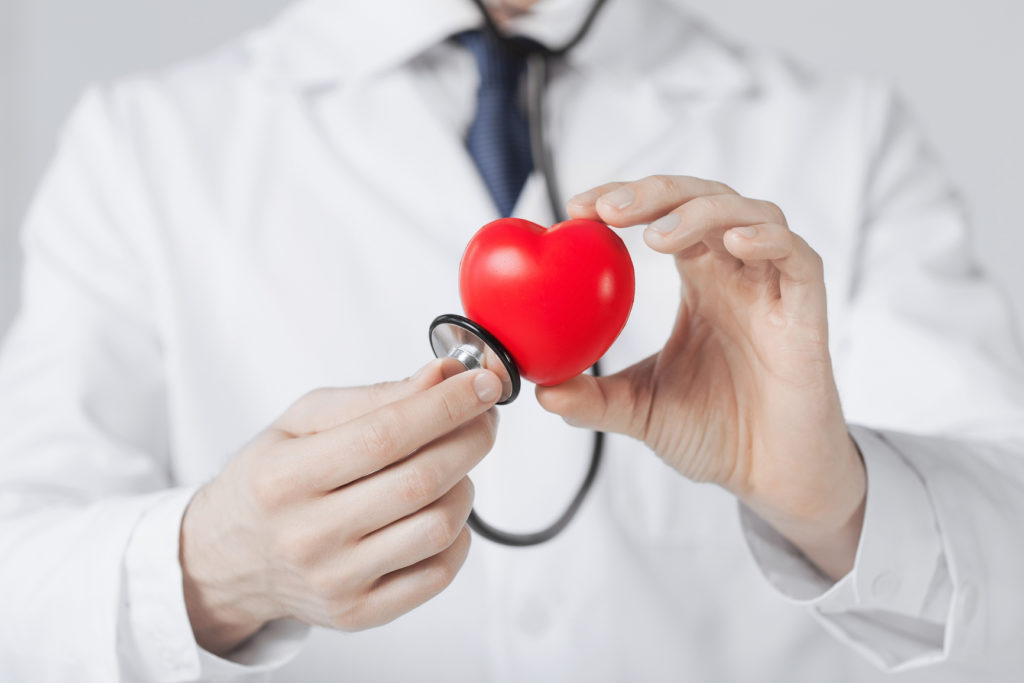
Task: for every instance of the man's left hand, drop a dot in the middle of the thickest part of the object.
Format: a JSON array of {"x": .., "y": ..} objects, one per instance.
[{"x": 742, "y": 394}]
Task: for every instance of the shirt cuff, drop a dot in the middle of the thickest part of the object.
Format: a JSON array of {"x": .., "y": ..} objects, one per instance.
[
  {"x": 153, "y": 608},
  {"x": 892, "y": 606}
]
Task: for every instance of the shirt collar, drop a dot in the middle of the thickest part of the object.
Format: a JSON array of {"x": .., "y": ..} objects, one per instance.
[{"x": 320, "y": 43}]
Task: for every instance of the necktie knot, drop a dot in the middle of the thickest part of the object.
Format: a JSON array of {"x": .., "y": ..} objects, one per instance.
[{"x": 499, "y": 64}]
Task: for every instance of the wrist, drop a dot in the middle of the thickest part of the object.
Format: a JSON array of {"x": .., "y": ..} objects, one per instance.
[
  {"x": 225, "y": 606},
  {"x": 826, "y": 522}
]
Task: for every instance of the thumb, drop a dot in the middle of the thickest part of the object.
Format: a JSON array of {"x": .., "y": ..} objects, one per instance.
[{"x": 605, "y": 404}]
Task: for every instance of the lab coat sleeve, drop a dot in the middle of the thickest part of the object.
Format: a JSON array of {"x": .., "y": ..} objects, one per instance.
[
  {"x": 90, "y": 584},
  {"x": 930, "y": 348}
]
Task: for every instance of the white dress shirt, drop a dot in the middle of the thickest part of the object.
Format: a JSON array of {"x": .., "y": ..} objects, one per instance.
[{"x": 217, "y": 239}]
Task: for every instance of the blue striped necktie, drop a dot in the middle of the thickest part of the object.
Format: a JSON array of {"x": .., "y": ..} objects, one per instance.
[{"x": 499, "y": 136}]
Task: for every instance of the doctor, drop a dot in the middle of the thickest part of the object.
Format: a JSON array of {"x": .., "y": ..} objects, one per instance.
[{"x": 216, "y": 240}]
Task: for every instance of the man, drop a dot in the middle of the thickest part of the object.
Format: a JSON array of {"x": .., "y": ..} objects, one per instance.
[{"x": 215, "y": 241}]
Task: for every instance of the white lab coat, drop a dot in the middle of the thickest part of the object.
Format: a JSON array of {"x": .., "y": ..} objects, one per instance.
[{"x": 217, "y": 239}]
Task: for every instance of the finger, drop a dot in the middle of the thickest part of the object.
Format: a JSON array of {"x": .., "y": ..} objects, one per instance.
[
  {"x": 415, "y": 483},
  {"x": 408, "y": 588},
  {"x": 391, "y": 432},
  {"x": 328, "y": 407},
  {"x": 643, "y": 201},
  {"x": 801, "y": 273},
  {"x": 582, "y": 204},
  {"x": 424, "y": 534},
  {"x": 616, "y": 403},
  {"x": 705, "y": 218}
]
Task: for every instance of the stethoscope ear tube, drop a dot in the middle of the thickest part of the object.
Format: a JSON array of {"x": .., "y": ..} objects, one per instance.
[{"x": 536, "y": 82}]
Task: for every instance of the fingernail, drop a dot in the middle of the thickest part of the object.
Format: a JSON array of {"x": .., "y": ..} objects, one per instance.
[
  {"x": 571, "y": 422},
  {"x": 746, "y": 232},
  {"x": 487, "y": 387},
  {"x": 588, "y": 197},
  {"x": 620, "y": 198},
  {"x": 665, "y": 224}
]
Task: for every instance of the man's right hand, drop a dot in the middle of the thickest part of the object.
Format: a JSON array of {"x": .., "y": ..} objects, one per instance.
[{"x": 347, "y": 512}]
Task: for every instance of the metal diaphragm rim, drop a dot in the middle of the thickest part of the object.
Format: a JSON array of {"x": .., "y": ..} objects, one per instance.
[{"x": 453, "y": 335}]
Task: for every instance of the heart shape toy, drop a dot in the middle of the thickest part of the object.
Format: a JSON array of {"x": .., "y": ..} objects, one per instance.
[{"x": 556, "y": 298}]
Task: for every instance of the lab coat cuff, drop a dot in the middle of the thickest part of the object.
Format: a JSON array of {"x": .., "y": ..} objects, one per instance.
[
  {"x": 898, "y": 554},
  {"x": 158, "y": 618},
  {"x": 895, "y": 567},
  {"x": 900, "y": 545}
]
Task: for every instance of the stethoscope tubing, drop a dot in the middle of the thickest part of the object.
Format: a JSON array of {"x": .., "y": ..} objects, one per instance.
[{"x": 537, "y": 62}]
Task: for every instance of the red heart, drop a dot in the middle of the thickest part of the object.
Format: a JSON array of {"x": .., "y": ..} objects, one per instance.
[{"x": 555, "y": 298}]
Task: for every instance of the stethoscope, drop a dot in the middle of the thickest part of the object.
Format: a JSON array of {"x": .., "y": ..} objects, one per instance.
[{"x": 458, "y": 337}]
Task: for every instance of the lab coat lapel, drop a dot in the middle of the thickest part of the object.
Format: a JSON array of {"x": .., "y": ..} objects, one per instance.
[
  {"x": 349, "y": 58},
  {"x": 608, "y": 124},
  {"x": 613, "y": 125},
  {"x": 420, "y": 164},
  {"x": 415, "y": 162}
]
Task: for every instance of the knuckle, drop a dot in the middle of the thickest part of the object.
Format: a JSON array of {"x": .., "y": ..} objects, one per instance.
[
  {"x": 490, "y": 436},
  {"x": 380, "y": 393},
  {"x": 346, "y": 618},
  {"x": 451, "y": 406},
  {"x": 297, "y": 414},
  {"x": 775, "y": 213},
  {"x": 333, "y": 584},
  {"x": 485, "y": 430},
  {"x": 639, "y": 395},
  {"x": 418, "y": 485},
  {"x": 378, "y": 439},
  {"x": 308, "y": 403},
  {"x": 661, "y": 183},
  {"x": 469, "y": 490},
  {"x": 722, "y": 188},
  {"x": 817, "y": 262},
  {"x": 438, "y": 576},
  {"x": 298, "y": 548},
  {"x": 441, "y": 529},
  {"x": 316, "y": 396},
  {"x": 324, "y": 585},
  {"x": 269, "y": 488},
  {"x": 710, "y": 205}
]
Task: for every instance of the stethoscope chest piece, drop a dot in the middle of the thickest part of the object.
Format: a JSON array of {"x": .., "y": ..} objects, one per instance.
[
  {"x": 457, "y": 337},
  {"x": 454, "y": 336}
]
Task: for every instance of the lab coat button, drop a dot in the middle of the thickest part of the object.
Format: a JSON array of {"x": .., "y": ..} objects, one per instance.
[
  {"x": 968, "y": 600},
  {"x": 885, "y": 585}
]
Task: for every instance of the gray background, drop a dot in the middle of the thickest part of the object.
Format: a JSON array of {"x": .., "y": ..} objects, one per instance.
[{"x": 959, "y": 64}]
